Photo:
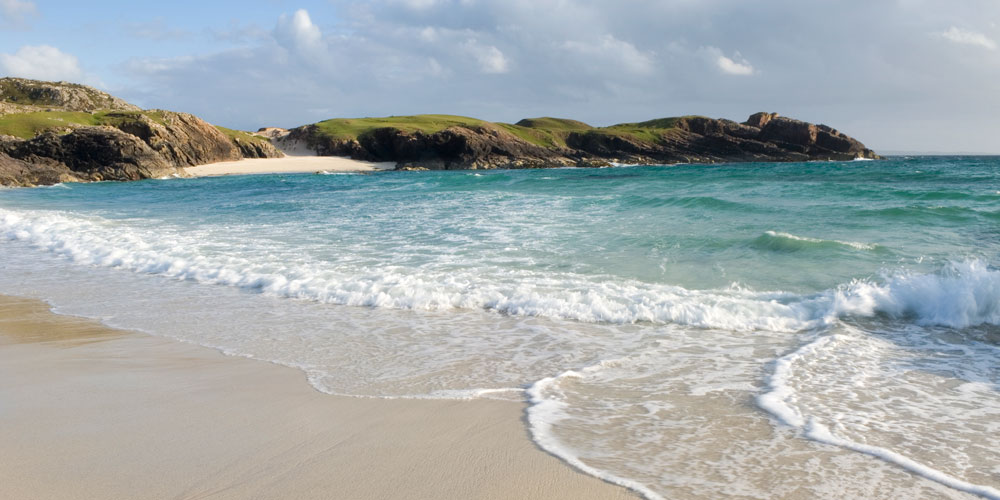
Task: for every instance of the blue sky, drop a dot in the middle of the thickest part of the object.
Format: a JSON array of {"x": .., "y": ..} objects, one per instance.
[{"x": 898, "y": 74}]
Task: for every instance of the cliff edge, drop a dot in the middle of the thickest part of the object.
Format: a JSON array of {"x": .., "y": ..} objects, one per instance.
[
  {"x": 65, "y": 132},
  {"x": 455, "y": 142}
]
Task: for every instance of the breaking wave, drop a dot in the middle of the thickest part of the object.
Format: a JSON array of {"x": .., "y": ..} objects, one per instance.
[{"x": 959, "y": 295}]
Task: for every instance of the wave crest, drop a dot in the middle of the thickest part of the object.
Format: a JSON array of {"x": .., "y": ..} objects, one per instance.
[
  {"x": 786, "y": 242},
  {"x": 963, "y": 294}
]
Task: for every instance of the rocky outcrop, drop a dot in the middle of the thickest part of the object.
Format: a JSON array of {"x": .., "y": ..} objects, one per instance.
[
  {"x": 86, "y": 154},
  {"x": 19, "y": 173},
  {"x": 63, "y": 95},
  {"x": 450, "y": 149},
  {"x": 181, "y": 139},
  {"x": 137, "y": 146},
  {"x": 256, "y": 149},
  {"x": 763, "y": 137},
  {"x": 128, "y": 145}
]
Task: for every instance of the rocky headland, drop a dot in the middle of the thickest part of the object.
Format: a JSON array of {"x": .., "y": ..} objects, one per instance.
[
  {"x": 64, "y": 132},
  {"x": 451, "y": 142}
]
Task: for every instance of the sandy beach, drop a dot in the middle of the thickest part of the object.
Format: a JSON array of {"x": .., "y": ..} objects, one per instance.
[
  {"x": 91, "y": 412},
  {"x": 287, "y": 164}
]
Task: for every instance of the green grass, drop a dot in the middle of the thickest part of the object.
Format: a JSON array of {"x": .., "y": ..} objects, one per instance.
[
  {"x": 546, "y": 131},
  {"x": 352, "y": 128},
  {"x": 652, "y": 131},
  {"x": 553, "y": 124},
  {"x": 28, "y": 125},
  {"x": 639, "y": 134},
  {"x": 242, "y": 136},
  {"x": 538, "y": 137}
]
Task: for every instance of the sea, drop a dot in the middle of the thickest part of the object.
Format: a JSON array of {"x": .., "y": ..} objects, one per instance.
[{"x": 745, "y": 330}]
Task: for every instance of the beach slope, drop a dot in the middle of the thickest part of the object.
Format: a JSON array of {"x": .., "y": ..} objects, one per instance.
[{"x": 91, "y": 412}]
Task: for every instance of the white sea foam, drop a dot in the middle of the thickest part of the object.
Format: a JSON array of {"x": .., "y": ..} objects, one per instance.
[
  {"x": 782, "y": 400},
  {"x": 960, "y": 295},
  {"x": 546, "y": 411},
  {"x": 964, "y": 294},
  {"x": 852, "y": 244}
]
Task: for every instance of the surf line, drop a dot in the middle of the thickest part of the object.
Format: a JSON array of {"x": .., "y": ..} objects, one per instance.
[{"x": 777, "y": 402}]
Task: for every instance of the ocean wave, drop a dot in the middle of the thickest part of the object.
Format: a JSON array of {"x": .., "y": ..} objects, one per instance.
[
  {"x": 786, "y": 242},
  {"x": 960, "y": 295},
  {"x": 697, "y": 202},
  {"x": 922, "y": 212}
]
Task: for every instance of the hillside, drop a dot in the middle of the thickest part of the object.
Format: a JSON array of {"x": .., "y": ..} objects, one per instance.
[
  {"x": 455, "y": 142},
  {"x": 57, "y": 132}
]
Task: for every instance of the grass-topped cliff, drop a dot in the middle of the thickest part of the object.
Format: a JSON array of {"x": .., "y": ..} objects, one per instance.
[
  {"x": 446, "y": 141},
  {"x": 53, "y": 132},
  {"x": 29, "y": 95},
  {"x": 545, "y": 131}
]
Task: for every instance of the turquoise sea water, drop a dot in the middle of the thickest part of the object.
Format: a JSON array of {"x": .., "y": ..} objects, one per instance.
[{"x": 692, "y": 331}]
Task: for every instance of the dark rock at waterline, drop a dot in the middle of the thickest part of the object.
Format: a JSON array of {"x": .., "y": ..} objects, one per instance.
[
  {"x": 125, "y": 144},
  {"x": 763, "y": 137}
]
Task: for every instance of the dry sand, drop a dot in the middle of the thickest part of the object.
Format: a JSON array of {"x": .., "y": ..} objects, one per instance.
[
  {"x": 90, "y": 412},
  {"x": 287, "y": 164}
]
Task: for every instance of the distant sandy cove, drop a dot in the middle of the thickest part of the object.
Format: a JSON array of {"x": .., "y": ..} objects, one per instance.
[{"x": 287, "y": 164}]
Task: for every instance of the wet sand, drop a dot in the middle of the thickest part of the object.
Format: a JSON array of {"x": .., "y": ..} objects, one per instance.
[{"x": 91, "y": 412}]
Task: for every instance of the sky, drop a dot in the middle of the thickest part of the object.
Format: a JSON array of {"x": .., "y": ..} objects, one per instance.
[{"x": 899, "y": 75}]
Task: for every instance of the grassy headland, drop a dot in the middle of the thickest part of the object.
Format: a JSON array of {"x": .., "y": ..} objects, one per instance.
[{"x": 546, "y": 132}]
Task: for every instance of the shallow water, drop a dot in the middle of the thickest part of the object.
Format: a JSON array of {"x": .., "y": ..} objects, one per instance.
[{"x": 747, "y": 331}]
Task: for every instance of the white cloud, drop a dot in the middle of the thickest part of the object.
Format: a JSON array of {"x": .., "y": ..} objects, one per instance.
[
  {"x": 503, "y": 60},
  {"x": 418, "y": 4},
  {"x": 491, "y": 59},
  {"x": 157, "y": 29},
  {"x": 735, "y": 65},
  {"x": 13, "y": 12},
  {"x": 610, "y": 52},
  {"x": 41, "y": 62},
  {"x": 958, "y": 35},
  {"x": 299, "y": 34}
]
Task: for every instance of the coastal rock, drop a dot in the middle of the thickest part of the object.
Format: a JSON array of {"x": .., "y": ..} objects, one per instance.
[
  {"x": 452, "y": 148},
  {"x": 92, "y": 154},
  {"x": 256, "y": 149},
  {"x": 63, "y": 95},
  {"x": 758, "y": 120},
  {"x": 181, "y": 139},
  {"x": 691, "y": 139},
  {"x": 126, "y": 144},
  {"x": 19, "y": 173}
]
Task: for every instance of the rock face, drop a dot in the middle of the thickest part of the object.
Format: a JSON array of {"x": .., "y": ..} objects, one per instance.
[
  {"x": 19, "y": 173},
  {"x": 452, "y": 148},
  {"x": 181, "y": 139},
  {"x": 136, "y": 147},
  {"x": 62, "y": 95},
  {"x": 91, "y": 154},
  {"x": 130, "y": 145},
  {"x": 763, "y": 137}
]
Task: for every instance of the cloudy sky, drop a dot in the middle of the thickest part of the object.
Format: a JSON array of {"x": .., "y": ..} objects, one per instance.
[{"x": 918, "y": 75}]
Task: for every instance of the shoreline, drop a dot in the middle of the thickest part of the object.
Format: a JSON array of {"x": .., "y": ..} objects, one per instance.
[
  {"x": 286, "y": 164},
  {"x": 87, "y": 411}
]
